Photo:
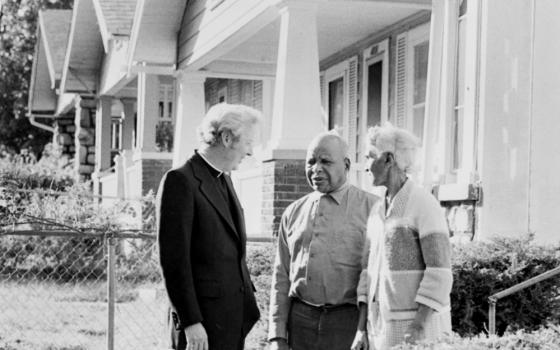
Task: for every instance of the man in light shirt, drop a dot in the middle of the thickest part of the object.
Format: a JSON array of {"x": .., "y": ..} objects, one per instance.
[{"x": 319, "y": 260}]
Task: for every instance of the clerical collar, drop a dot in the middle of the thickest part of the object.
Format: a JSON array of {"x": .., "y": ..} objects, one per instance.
[{"x": 217, "y": 172}]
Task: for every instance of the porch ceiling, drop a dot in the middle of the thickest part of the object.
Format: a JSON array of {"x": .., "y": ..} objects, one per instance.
[
  {"x": 339, "y": 25},
  {"x": 85, "y": 50}
]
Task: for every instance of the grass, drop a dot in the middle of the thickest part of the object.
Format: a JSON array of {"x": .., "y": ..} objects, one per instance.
[{"x": 48, "y": 315}]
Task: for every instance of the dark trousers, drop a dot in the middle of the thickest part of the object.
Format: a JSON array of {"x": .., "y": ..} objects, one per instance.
[{"x": 318, "y": 328}]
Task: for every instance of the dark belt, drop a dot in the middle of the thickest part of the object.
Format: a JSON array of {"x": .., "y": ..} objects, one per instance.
[{"x": 323, "y": 308}]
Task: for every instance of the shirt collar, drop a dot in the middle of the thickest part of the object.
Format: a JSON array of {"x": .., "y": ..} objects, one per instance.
[
  {"x": 337, "y": 195},
  {"x": 218, "y": 172}
]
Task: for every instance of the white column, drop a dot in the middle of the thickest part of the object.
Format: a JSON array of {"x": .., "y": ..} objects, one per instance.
[
  {"x": 128, "y": 123},
  {"x": 191, "y": 108},
  {"x": 297, "y": 101},
  {"x": 103, "y": 134},
  {"x": 148, "y": 98}
]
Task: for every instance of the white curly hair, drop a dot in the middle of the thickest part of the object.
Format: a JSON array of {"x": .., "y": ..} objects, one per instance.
[
  {"x": 400, "y": 142},
  {"x": 224, "y": 117}
]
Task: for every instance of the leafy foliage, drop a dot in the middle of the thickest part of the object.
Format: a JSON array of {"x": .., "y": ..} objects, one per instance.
[
  {"x": 543, "y": 338},
  {"x": 481, "y": 269},
  {"x": 18, "y": 26}
]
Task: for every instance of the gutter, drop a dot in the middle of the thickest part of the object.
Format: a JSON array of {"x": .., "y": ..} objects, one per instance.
[{"x": 40, "y": 125}]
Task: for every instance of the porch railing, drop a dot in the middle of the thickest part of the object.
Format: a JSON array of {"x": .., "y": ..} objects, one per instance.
[{"x": 493, "y": 299}]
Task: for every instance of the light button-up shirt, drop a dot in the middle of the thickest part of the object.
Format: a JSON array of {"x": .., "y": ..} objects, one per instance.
[{"x": 320, "y": 252}]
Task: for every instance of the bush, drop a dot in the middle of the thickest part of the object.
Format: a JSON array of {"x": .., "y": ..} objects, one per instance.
[
  {"x": 53, "y": 171},
  {"x": 481, "y": 269},
  {"x": 543, "y": 338},
  {"x": 68, "y": 207}
]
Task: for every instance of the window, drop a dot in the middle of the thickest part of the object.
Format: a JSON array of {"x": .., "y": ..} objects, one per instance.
[
  {"x": 164, "y": 127},
  {"x": 116, "y": 134},
  {"x": 336, "y": 104},
  {"x": 375, "y": 80}
]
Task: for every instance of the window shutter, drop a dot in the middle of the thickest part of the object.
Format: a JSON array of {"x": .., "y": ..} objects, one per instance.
[
  {"x": 400, "y": 81},
  {"x": 352, "y": 106},
  {"x": 324, "y": 98}
]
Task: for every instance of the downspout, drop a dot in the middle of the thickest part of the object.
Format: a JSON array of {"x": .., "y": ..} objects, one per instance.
[{"x": 40, "y": 125}]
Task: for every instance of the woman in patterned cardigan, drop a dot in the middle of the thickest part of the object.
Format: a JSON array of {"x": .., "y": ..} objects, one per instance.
[{"x": 408, "y": 279}]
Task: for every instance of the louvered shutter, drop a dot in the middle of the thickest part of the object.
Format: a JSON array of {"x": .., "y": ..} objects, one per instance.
[
  {"x": 400, "y": 81},
  {"x": 352, "y": 106},
  {"x": 324, "y": 100}
]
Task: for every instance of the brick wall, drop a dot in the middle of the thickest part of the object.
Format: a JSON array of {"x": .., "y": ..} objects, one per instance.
[
  {"x": 152, "y": 172},
  {"x": 283, "y": 182}
]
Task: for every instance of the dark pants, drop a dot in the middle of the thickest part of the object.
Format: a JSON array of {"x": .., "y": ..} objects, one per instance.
[{"x": 317, "y": 328}]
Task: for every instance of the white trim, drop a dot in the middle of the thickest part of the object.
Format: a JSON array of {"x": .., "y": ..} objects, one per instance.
[
  {"x": 139, "y": 155},
  {"x": 467, "y": 173}
]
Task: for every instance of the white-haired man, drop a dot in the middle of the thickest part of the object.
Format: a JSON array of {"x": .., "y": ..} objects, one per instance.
[
  {"x": 313, "y": 302},
  {"x": 201, "y": 236}
]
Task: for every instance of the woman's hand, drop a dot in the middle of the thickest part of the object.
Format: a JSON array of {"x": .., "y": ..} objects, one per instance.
[
  {"x": 414, "y": 333},
  {"x": 360, "y": 341}
]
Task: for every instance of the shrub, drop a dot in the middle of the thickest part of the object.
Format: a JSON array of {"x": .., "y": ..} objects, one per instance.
[
  {"x": 543, "y": 338},
  {"x": 74, "y": 211},
  {"x": 481, "y": 269}
]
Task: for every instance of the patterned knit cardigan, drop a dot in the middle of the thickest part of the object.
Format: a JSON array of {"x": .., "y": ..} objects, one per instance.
[{"x": 409, "y": 260}]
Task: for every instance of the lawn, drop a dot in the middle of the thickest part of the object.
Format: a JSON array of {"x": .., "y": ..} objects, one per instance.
[{"x": 73, "y": 316}]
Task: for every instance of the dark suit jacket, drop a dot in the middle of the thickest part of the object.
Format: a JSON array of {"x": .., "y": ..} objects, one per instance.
[{"x": 202, "y": 253}]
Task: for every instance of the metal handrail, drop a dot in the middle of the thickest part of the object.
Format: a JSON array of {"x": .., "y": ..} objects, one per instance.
[{"x": 493, "y": 299}]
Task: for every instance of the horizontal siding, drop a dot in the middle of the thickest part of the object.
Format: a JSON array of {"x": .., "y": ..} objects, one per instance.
[{"x": 202, "y": 25}]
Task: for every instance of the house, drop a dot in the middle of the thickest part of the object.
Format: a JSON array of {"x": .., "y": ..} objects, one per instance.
[{"x": 475, "y": 79}]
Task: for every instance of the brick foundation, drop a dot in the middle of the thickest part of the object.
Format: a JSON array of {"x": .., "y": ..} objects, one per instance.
[{"x": 283, "y": 182}]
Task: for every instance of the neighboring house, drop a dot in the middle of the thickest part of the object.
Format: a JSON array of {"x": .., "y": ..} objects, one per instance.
[{"x": 477, "y": 80}]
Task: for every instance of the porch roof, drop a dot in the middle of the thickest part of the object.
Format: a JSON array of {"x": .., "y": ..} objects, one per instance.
[
  {"x": 115, "y": 18},
  {"x": 243, "y": 40},
  {"x": 52, "y": 39},
  {"x": 155, "y": 28},
  {"x": 84, "y": 52}
]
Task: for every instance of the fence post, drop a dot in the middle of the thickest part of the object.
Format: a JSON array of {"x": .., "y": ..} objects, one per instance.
[
  {"x": 111, "y": 293},
  {"x": 492, "y": 316}
]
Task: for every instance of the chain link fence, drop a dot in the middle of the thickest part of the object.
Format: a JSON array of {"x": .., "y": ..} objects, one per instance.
[
  {"x": 78, "y": 272},
  {"x": 77, "y": 291}
]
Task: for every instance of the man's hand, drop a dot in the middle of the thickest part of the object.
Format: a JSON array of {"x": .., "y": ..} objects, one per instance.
[
  {"x": 360, "y": 341},
  {"x": 196, "y": 337},
  {"x": 278, "y": 344}
]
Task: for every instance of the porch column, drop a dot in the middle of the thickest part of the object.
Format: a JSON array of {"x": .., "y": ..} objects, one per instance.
[
  {"x": 190, "y": 111},
  {"x": 128, "y": 123},
  {"x": 148, "y": 95},
  {"x": 102, "y": 140},
  {"x": 103, "y": 134},
  {"x": 296, "y": 116}
]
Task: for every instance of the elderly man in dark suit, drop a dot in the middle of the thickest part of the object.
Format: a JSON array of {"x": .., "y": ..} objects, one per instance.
[{"x": 201, "y": 236}]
